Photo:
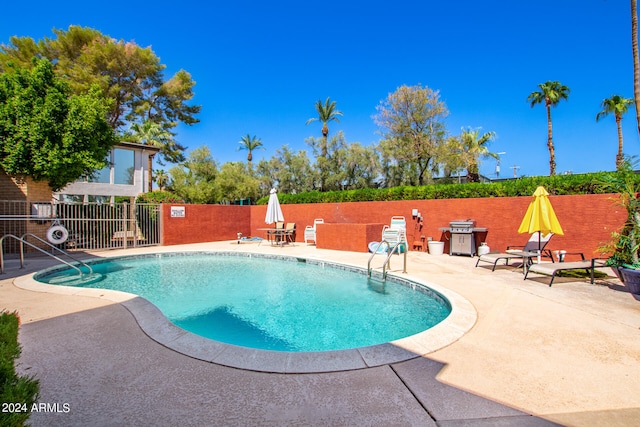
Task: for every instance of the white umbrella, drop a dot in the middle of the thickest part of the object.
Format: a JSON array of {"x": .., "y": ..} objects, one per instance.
[{"x": 274, "y": 213}]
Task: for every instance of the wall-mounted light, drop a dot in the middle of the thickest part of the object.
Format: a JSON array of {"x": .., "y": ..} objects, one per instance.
[{"x": 414, "y": 213}]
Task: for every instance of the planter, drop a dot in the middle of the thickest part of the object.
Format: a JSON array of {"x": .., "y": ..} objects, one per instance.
[
  {"x": 631, "y": 280},
  {"x": 436, "y": 248}
]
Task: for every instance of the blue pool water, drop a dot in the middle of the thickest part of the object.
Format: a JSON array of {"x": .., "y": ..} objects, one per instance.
[{"x": 283, "y": 304}]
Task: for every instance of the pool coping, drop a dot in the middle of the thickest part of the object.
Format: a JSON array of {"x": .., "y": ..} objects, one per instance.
[{"x": 156, "y": 326}]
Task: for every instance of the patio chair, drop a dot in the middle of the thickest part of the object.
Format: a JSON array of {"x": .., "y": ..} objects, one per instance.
[
  {"x": 522, "y": 253},
  {"x": 396, "y": 231},
  {"x": 289, "y": 234},
  {"x": 275, "y": 234},
  {"x": 310, "y": 230}
]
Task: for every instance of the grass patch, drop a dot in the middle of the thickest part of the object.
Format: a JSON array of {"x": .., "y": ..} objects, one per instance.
[{"x": 17, "y": 393}]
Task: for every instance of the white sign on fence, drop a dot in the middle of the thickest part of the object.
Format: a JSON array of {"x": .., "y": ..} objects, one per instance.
[{"x": 177, "y": 212}]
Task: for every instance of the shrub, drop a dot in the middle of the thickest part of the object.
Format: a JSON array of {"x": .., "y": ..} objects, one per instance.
[
  {"x": 158, "y": 197},
  {"x": 525, "y": 186},
  {"x": 17, "y": 390}
]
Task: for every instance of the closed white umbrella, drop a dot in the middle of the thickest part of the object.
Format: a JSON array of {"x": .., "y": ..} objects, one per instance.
[{"x": 274, "y": 212}]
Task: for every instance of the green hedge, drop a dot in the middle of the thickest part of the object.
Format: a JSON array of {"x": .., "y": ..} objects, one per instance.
[
  {"x": 19, "y": 392},
  {"x": 555, "y": 185}
]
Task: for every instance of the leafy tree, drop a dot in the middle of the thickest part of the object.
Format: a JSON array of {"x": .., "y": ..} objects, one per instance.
[
  {"x": 48, "y": 133},
  {"x": 413, "y": 121},
  {"x": 250, "y": 143},
  {"x": 474, "y": 146},
  {"x": 616, "y": 105},
  {"x": 130, "y": 77},
  {"x": 151, "y": 133},
  {"x": 194, "y": 181},
  {"x": 346, "y": 166},
  {"x": 236, "y": 182},
  {"x": 290, "y": 172},
  {"x": 550, "y": 94}
]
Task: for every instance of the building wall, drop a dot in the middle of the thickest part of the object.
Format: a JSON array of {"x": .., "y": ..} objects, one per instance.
[
  {"x": 140, "y": 180},
  {"x": 587, "y": 220}
]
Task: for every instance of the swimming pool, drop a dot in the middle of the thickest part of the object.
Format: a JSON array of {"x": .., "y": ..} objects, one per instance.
[{"x": 276, "y": 303}]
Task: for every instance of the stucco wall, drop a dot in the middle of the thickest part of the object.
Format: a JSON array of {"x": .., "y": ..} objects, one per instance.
[
  {"x": 204, "y": 223},
  {"x": 588, "y": 220}
]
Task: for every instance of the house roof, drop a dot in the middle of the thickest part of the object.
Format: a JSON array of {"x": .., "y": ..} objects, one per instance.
[{"x": 138, "y": 146}]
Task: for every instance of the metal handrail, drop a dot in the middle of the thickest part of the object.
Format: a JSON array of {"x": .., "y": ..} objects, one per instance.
[
  {"x": 23, "y": 242},
  {"x": 375, "y": 252},
  {"x": 388, "y": 260}
]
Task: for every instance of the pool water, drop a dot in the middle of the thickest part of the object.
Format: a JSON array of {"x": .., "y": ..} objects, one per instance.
[{"x": 285, "y": 304}]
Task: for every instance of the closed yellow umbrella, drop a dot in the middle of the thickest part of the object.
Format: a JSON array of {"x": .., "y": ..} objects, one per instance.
[{"x": 540, "y": 216}]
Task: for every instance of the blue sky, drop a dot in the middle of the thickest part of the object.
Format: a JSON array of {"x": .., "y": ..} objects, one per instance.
[{"x": 259, "y": 67}]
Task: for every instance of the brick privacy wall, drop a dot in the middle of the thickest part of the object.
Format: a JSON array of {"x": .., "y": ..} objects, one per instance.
[
  {"x": 204, "y": 223},
  {"x": 587, "y": 220}
]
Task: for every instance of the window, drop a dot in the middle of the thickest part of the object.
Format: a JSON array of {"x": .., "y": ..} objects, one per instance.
[
  {"x": 103, "y": 176},
  {"x": 123, "y": 166}
]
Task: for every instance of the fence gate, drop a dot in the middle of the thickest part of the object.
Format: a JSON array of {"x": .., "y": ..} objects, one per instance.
[{"x": 81, "y": 226}]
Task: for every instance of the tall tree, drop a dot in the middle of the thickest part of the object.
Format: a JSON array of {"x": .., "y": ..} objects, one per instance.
[
  {"x": 326, "y": 113},
  {"x": 151, "y": 133},
  {"x": 616, "y": 105},
  {"x": 636, "y": 60},
  {"x": 47, "y": 132},
  {"x": 475, "y": 146},
  {"x": 413, "y": 121},
  {"x": 161, "y": 178},
  {"x": 250, "y": 143},
  {"x": 131, "y": 78},
  {"x": 290, "y": 172},
  {"x": 194, "y": 180},
  {"x": 550, "y": 94}
]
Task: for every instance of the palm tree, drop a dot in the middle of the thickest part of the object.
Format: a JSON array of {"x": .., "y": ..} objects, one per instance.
[
  {"x": 618, "y": 106},
  {"x": 250, "y": 143},
  {"x": 474, "y": 146},
  {"x": 326, "y": 113},
  {"x": 161, "y": 178},
  {"x": 151, "y": 133},
  {"x": 636, "y": 61},
  {"x": 550, "y": 94}
]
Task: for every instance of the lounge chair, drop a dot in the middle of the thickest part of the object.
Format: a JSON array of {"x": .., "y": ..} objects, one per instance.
[
  {"x": 396, "y": 231},
  {"x": 551, "y": 269},
  {"x": 522, "y": 253},
  {"x": 310, "y": 230}
]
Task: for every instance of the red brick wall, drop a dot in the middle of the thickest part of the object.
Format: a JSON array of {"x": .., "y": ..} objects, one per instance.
[
  {"x": 587, "y": 220},
  {"x": 204, "y": 223},
  {"x": 346, "y": 237}
]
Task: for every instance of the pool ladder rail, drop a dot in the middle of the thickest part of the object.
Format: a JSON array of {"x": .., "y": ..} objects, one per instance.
[
  {"x": 387, "y": 262},
  {"x": 23, "y": 242}
]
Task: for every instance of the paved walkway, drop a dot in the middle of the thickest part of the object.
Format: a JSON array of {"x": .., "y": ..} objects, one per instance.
[{"x": 566, "y": 355}]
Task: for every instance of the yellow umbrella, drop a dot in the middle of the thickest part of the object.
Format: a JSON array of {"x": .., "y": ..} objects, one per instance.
[{"x": 540, "y": 216}]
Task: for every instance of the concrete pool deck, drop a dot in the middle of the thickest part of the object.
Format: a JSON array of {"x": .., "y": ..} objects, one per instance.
[{"x": 565, "y": 355}]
